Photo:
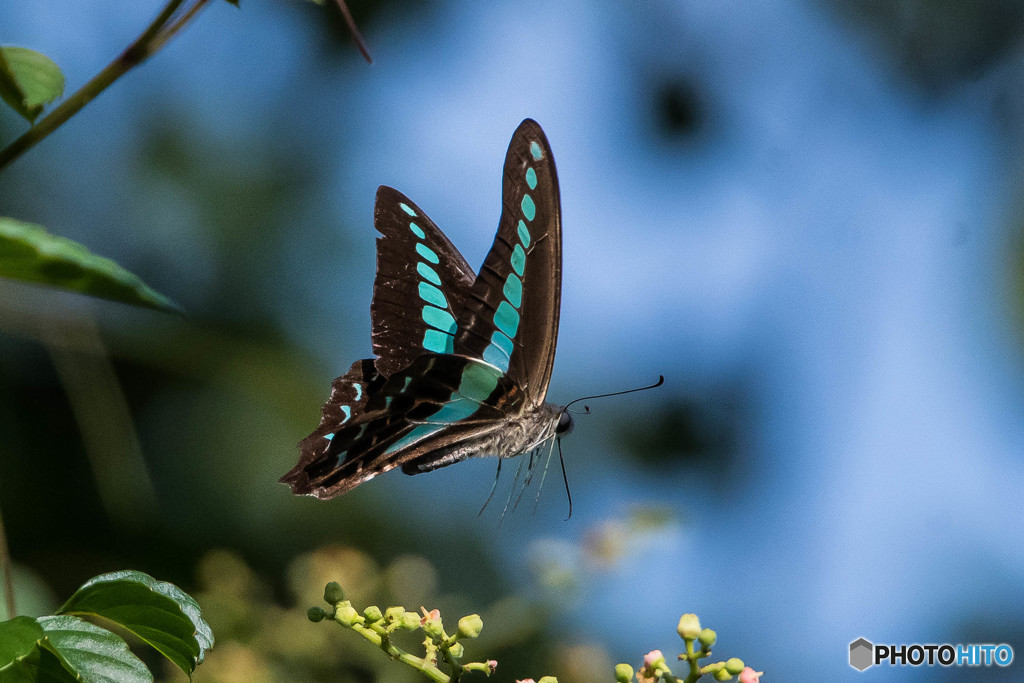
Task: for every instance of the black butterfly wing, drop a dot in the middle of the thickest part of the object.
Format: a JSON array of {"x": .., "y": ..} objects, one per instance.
[
  {"x": 421, "y": 285},
  {"x": 347, "y": 405},
  {"x": 510, "y": 318},
  {"x": 428, "y": 415}
]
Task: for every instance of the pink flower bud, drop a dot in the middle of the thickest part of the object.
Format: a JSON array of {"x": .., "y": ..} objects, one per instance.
[
  {"x": 748, "y": 675},
  {"x": 652, "y": 658}
]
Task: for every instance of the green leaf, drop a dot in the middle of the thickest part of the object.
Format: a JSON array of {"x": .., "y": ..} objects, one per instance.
[
  {"x": 10, "y": 91},
  {"x": 159, "y": 613},
  {"x": 92, "y": 653},
  {"x": 29, "y": 80},
  {"x": 18, "y": 637},
  {"x": 29, "y": 253},
  {"x": 39, "y": 666}
]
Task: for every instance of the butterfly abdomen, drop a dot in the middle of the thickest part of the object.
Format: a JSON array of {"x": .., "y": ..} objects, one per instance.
[{"x": 512, "y": 437}]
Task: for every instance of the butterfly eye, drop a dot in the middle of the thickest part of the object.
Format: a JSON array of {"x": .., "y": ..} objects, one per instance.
[{"x": 565, "y": 423}]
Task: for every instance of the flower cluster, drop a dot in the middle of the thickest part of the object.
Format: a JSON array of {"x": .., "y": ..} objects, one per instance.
[
  {"x": 441, "y": 648},
  {"x": 698, "y": 643},
  {"x": 446, "y": 650}
]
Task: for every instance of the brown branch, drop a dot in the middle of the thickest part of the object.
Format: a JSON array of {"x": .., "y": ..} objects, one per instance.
[
  {"x": 354, "y": 30},
  {"x": 6, "y": 568}
]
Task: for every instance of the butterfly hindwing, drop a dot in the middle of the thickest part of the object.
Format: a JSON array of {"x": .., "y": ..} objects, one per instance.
[
  {"x": 346, "y": 407},
  {"x": 421, "y": 284},
  {"x": 455, "y": 404},
  {"x": 419, "y": 419},
  {"x": 510, "y": 318}
]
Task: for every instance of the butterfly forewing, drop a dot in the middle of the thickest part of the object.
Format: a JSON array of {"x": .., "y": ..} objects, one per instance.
[
  {"x": 510, "y": 318},
  {"x": 421, "y": 284}
]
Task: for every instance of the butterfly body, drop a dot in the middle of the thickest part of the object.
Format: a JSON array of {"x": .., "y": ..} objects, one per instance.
[{"x": 463, "y": 360}]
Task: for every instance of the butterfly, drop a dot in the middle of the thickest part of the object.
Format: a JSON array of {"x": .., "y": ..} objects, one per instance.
[{"x": 463, "y": 360}]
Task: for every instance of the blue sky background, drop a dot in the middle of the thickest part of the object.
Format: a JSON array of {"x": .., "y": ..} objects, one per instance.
[{"x": 835, "y": 242}]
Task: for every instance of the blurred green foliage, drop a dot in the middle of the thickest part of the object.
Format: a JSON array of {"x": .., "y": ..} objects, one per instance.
[
  {"x": 699, "y": 429},
  {"x": 937, "y": 44},
  {"x": 29, "y": 253}
]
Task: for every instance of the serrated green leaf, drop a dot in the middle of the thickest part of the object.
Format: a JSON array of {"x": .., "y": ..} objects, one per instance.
[
  {"x": 159, "y": 613},
  {"x": 29, "y": 80},
  {"x": 92, "y": 653},
  {"x": 18, "y": 637},
  {"x": 29, "y": 253}
]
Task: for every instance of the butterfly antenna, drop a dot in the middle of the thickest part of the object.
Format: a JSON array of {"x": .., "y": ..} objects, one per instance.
[
  {"x": 494, "y": 486},
  {"x": 565, "y": 477},
  {"x": 543, "y": 475},
  {"x": 661, "y": 380}
]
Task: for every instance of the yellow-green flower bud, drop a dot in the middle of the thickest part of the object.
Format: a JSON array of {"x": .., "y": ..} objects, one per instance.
[
  {"x": 689, "y": 627},
  {"x": 372, "y": 614},
  {"x": 623, "y": 673},
  {"x": 315, "y": 614},
  {"x": 548, "y": 679},
  {"x": 457, "y": 650},
  {"x": 333, "y": 594},
  {"x": 723, "y": 675},
  {"x": 409, "y": 621},
  {"x": 707, "y": 637},
  {"x": 470, "y": 626},
  {"x": 734, "y": 665},
  {"x": 346, "y": 614},
  {"x": 433, "y": 628},
  {"x": 394, "y": 613}
]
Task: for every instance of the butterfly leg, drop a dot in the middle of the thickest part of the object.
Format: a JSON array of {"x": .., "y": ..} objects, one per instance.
[
  {"x": 515, "y": 482},
  {"x": 529, "y": 477},
  {"x": 494, "y": 486},
  {"x": 544, "y": 474}
]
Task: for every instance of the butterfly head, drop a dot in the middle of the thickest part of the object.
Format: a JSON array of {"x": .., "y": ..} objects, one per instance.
[{"x": 565, "y": 424}]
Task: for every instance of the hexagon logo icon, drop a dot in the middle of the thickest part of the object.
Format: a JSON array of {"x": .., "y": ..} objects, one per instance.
[{"x": 861, "y": 654}]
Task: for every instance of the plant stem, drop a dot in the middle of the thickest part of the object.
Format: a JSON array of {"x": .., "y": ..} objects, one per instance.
[
  {"x": 354, "y": 30},
  {"x": 6, "y": 570},
  {"x": 151, "y": 39},
  {"x": 398, "y": 654},
  {"x": 179, "y": 24},
  {"x": 691, "y": 660},
  {"x": 452, "y": 663}
]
